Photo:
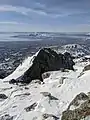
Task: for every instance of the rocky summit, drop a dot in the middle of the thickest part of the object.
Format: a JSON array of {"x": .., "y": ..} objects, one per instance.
[
  {"x": 64, "y": 93},
  {"x": 47, "y": 60}
]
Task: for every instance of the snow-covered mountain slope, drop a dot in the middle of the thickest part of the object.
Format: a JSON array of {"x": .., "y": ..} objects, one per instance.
[
  {"x": 45, "y": 101},
  {"x": 75, "y": 49},
  {"x": 21, "y": 69}
]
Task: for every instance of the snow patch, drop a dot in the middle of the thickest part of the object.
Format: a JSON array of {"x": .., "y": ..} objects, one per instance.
[
  {"x": 65, "y": 93},
  {"x": 21, "y": 69}
]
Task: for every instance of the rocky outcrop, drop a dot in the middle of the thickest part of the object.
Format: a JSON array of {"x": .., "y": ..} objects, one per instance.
[
  {"x": 47, "y": 94},
  {"x": 45, "y": 75},
  {"x": 6, "y": 117},
  {"x": 13, "y": 81},
  {"x": 3, "y": 96},
  {"x": 47, "y": 60},
  {"x": 2, "y": 74},
  {"x": 31, "y": 107},
  {"x": 86, "y": 68},
  {"x": 78, "y": 109},
  {"x": 46, "y": 116},
  {"x": 77, "y": 100}
]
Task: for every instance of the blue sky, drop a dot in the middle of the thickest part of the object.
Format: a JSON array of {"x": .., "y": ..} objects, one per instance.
[{"x": 45, "y": 15}]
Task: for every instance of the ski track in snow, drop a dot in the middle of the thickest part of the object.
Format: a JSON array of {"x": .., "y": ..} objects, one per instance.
[{"x": 17, "y": 101}]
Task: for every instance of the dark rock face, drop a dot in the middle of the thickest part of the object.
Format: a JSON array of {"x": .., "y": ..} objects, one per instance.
[
  {"x": 47, "y": 94},
  {"x": 82, "y": 108},
  {"x": 47, "y": 60},
  {"x": 12, "y": 81},
  {"x": 46, "y": 116},
  {"x": 31, "y": 107},
  {"x": 68, "y": 61},
  {"x": 6, "y": 117},
  {"x": 76, "y": 101},
  {"x": 86, "y": 68},
  {"x": 3, "y": 96},
  {"x": 45, "y": 75},
  {"x": 2, "y": 74}
]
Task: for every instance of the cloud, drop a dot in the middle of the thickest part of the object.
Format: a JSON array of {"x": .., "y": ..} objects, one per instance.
[
  {"x": 21, "y": 10},
  {"x": 45, "y": 12},
  {"x": 12, "y": 23},
  {"x": 9, "y": 22},
  {"x": 55, "y": 6},
  {"x": 50, "y": 8},
  {"x": 28, "y": 11}
]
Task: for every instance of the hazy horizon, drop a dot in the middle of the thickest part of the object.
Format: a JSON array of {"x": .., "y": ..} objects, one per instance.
[{"x": 45, "y": 15}]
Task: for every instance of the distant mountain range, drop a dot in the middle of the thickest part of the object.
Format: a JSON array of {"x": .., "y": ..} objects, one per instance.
[{"x": 51, "y": 34}]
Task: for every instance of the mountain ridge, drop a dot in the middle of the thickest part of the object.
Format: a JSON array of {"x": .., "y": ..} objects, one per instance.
[{"x": 43, "y": 100}]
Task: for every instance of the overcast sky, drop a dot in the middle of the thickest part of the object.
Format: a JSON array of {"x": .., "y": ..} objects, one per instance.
[{"x": 45, "y": 15}]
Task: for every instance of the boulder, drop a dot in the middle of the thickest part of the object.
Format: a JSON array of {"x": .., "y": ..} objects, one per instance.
[
  {"x": 81, "y": 108},
  {"x": 13, "y": 81},
  {"x": 86, "y": 68},
  {"x": 6, "y": 117},
  {"x": 45, "y": 75},
  {"x": 3, "y": 96}
]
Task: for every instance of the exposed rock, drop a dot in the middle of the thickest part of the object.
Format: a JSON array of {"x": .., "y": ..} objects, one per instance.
[
  {"x": 81, "y": 112},
  {"x": 16, "y": 81},
  {"x": 77, "y": 114},
  {"x": 52, "y": 98},
  {"x": 88, "y": 94},
  {"x": 6, "y": 117},
  {"x": 78, "y": 99},
  {"x": 64, "y": 70},
  {"x": 13, "y": 81},
  {"x": 86, "y": 68},
  {"x": 46, "y": 116},
  {"x": 82, "y": 73},
  {"x": 45, "y": 75},
  {"x": 81, "y": 96},
  {"x": 62, "y": 80},
  {"x": 47, "y": 94},
  {"x": 2, "y": 74},
  {"x": 47, "y": 60},
  {"x": 25, "y": 94},
  {"x": 36, "y": 81},
  {"x": 3, "y": 96},
  {"x": 31, "y": 107},
  {"x": 68, "y": 61},
  {"x": 4, "y": 89},
  {"x": 26, "y": 88}
]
